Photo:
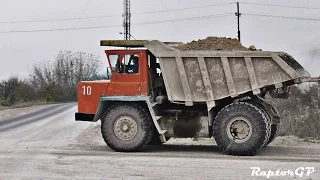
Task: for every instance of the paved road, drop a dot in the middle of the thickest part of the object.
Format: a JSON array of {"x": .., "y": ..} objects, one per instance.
[{"x": 49, "y": 144}]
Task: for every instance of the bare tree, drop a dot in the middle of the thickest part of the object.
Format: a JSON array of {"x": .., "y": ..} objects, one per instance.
[{"x": 57, "y": 81}]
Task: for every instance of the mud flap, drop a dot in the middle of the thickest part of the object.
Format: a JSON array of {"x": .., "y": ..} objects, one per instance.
[
  {"x": 271, "y": 109},
  {"x": 100, "y": 111}
]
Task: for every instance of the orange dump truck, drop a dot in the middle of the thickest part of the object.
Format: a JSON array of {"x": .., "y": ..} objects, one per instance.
[{"x": 157, "y": 92}]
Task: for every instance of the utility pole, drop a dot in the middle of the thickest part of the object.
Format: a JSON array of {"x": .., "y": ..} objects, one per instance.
[
  {"x": 127, "y": 19},
  {"x": 238, "y": 14}
]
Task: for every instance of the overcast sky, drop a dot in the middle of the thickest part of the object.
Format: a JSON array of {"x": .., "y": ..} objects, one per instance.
[{"x": 19, "y": 51}]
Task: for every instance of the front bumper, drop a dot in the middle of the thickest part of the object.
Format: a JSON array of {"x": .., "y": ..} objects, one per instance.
[{"x": 84, "y": 117}]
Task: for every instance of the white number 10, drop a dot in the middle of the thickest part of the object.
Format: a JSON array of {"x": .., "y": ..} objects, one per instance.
[{"x": 86, "y": 90}]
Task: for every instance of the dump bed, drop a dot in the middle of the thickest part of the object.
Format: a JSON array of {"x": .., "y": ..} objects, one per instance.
[{"x": 207, "y": 76}]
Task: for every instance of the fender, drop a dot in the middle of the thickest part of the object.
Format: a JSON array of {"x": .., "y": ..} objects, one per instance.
[{"x": 107, "y": 101}]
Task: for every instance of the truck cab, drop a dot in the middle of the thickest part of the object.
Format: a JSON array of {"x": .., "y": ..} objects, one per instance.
[{"x": 132, "y": 72}]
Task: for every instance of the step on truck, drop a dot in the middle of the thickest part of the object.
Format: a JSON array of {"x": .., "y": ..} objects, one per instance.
[{"x": 157, "y": 92}]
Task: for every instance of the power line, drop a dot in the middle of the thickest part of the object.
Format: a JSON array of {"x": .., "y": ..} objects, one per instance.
[
  {"x": 187, "y": 19},
  {"x": 282, "y": 17},
  {"x": 288, "y": 17},
  {"x": 59, "y": 29},
  {"x": 107, "y": 16},
  {"x": 285, "y": 6},
  {"x": 174, "y": 25},
  {"x": 110, "y": 26},
  {"x": 75, "y": 25},
  {"x": 308, "y": 50},
  {"x": 188, "y": 8},
  {"x": 54, "y": 20},
  {"x": 314, "y": 39}
]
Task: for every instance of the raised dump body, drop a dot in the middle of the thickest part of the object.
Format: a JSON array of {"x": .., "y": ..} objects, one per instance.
[{"x": 207, "y": 76}]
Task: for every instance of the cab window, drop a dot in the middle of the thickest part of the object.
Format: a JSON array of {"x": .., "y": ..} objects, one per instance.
[
  {"x": 113, "y": 62},
  {"x": 129, "y": 64},
  {"x": 132, "y": 64}
]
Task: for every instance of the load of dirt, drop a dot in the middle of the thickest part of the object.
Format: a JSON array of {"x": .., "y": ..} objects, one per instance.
[{"x": 214, "y": 43}]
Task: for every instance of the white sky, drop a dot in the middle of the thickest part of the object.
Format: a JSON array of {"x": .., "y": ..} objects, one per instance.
[{"x": 19, "y": 51}]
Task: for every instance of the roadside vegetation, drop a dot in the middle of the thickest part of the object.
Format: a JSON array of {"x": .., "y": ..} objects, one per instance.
[
  {"x": 54, "y": 81},
  {"x": 300, "y": 113}
]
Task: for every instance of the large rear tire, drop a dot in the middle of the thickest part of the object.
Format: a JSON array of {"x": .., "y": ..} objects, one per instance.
[
  {"x": 241, "y": 128},
  {"x": 127, "y": 127},
  {"x": 274, "y": 133},
  {"x": 274, "y": 128}
]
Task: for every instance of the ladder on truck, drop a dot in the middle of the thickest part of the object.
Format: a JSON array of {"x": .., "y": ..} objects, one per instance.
[{"x": 156, "y": 118}]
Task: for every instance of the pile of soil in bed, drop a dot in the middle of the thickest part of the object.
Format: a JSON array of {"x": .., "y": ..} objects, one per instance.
[{"x": 214, "y": 43}]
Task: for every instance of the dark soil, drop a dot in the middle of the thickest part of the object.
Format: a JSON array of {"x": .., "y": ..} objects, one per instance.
[{"x": 214, "y": 43}]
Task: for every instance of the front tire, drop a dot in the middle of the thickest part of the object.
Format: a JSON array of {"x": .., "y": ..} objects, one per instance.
[
  {"x": 126, "y": 127},
  {"x": 241, "y": 129}
]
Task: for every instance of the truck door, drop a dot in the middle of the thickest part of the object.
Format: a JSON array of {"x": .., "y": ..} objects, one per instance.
[{"x": 128, "y": 76}]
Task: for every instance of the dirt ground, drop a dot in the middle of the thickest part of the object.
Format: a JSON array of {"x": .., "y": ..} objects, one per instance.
[
  {"x": 49, "y": 144},
  {"x": 93, "y": 133},
  {"x": 285, "y": 153}
]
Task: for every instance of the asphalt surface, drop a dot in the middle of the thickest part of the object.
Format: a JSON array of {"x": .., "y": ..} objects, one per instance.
[{"x": 49, "y": 144}]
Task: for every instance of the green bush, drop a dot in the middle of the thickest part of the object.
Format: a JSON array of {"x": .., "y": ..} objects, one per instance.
[{"x": 5, "y": 102}]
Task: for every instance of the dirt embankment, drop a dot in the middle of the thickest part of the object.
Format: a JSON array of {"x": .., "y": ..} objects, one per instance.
[{"x": 214, "y": 43}]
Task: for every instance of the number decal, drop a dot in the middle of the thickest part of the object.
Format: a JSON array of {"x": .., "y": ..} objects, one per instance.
[{"x": 87, "y": 90}]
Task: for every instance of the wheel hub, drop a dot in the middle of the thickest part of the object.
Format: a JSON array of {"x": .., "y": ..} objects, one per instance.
[
  {"x": 125, "y": 128},
  {"x": 239, "y": 129}
]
